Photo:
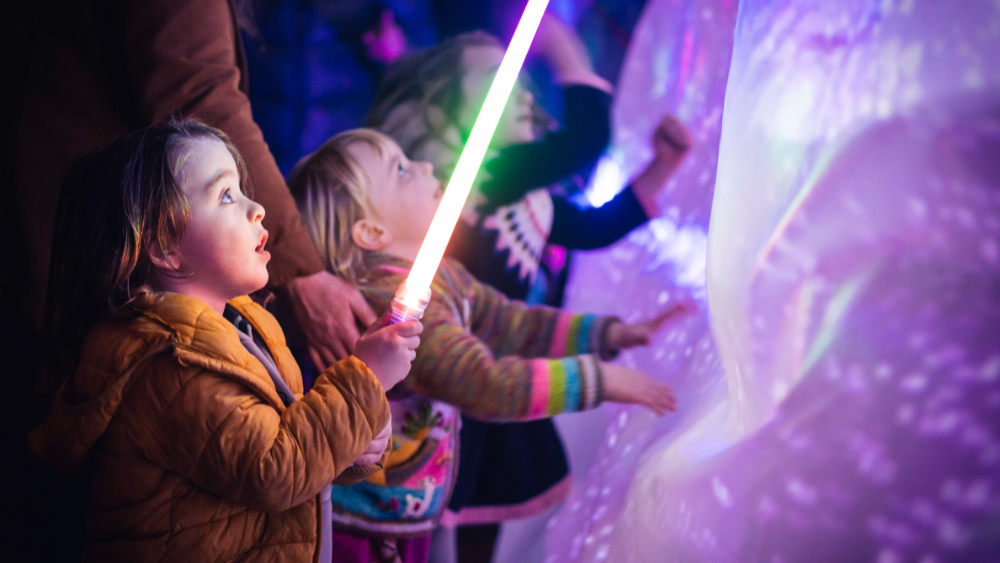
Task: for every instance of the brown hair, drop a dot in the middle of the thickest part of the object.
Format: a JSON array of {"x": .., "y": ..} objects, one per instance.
[
  {"x": 331, "y": 189},
  {"x": 113, "y": 205},
  {"x": 418, "y": 101}
]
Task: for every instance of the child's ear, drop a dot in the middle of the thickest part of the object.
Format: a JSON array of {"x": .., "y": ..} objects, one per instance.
[
  {"x": 370, "y": 235},
  {"x": 163, "y": 260}
]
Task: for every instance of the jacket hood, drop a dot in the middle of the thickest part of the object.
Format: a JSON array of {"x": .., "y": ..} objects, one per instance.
[{"x": 117, "y": 347}]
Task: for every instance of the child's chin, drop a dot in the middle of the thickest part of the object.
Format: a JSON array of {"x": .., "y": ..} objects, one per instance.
[{"x": 259, "y": 282}]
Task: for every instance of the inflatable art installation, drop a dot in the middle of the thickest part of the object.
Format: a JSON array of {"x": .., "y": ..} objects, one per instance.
[{"x": 839, "y": 226}]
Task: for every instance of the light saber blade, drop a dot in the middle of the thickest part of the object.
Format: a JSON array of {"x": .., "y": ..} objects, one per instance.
[{"x": 414, "y": 294}]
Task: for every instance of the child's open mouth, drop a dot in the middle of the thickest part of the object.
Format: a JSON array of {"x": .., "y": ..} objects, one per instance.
[{"x": 260, "y": 246}]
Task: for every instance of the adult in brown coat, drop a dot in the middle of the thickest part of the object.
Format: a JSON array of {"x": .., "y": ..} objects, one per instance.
[{"x": 194, "y": 455}]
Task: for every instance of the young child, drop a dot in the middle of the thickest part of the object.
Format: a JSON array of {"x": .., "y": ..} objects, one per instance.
[
  {"x": 183, "y": 400},
  {"x": 368, "y": 209},
  {"x": 516, "y": 226}
]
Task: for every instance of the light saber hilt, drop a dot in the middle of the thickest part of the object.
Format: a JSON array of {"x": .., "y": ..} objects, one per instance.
[{"x": 408, "y": 304}]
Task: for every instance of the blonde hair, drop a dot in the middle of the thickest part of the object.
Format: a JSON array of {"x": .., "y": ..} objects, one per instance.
[{"x": 331, "y": 189}]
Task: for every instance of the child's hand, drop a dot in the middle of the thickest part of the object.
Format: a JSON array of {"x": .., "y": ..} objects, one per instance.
[
  {"x": 630, "y": 386},
  {"x": 377, "y": 446},
  {"x": 671, "y": 140},
  {"x": 671, "y": 143},
  {"x": 387, "y": 349},
  {"x": 621, "y": 336}
]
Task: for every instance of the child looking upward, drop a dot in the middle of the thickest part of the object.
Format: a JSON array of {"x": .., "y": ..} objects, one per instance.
[
  {"x": 516, "y": 228},
  {"x": 368, "y": 209},
  {"x": 183, "y": 400}
]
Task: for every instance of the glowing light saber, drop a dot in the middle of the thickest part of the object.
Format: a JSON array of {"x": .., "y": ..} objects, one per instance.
[{"x": 414, "y": 294}]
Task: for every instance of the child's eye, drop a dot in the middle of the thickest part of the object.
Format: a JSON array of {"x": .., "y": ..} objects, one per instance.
[
  {"x": 227, "y": 197},
  {"x": 400, "y": 171}
]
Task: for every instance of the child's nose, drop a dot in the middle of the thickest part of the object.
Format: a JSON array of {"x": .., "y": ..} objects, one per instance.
[
  {"x": 525, "y": 96},
  {"x": 427, "y": 168},
  {"x": 255, "y": 212}
]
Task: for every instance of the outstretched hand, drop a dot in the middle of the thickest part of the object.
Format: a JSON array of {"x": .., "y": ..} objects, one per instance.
[
  {"x": 671, "y": 140},
  {"x": 671, "y": 144},
  {"x": 632, "y": 387},
  {"x": 326, "y": 308},
  {"x": 621, "y": 336}
]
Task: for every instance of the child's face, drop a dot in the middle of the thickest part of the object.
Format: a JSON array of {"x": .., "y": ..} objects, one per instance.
[
  {"x": 403, "y": 194},
  {"x": 223, "y": 245},
  {"x": 480, "y": 64}
]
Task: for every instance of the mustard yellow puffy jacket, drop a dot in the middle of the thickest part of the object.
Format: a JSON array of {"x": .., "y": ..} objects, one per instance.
[{"x": 194, "y": 456}]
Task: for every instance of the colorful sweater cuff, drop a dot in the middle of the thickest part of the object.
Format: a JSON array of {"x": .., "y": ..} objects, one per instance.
[
  {"x": 565, "y": 385},
  {"x": 581, "y": 334}
]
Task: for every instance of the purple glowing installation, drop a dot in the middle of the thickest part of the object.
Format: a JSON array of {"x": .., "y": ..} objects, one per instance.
[{"x": 842, "y": 400}]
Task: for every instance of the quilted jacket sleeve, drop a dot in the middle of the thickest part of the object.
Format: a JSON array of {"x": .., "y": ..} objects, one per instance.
[{"x": 229, "y": 441}]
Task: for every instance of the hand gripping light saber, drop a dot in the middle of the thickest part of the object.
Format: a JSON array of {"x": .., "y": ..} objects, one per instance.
[{"x": 414, "y": 294}]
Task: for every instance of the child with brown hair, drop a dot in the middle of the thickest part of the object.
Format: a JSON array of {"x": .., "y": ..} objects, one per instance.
[
  {"x": 368, "y": 209},
  {"x": 182, "y": 399}
]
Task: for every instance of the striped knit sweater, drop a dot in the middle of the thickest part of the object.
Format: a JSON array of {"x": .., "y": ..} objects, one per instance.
[{"x": 482, "y": 354}]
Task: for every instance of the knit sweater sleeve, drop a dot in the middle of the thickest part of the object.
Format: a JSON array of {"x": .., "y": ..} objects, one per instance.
[
  {"x": 484, "y": 371},
  {"x": 459, "y": 368},
  {"x": 513, "y": 327}
]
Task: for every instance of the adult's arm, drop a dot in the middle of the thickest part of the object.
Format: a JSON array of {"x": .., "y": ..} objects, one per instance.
[{"x": 185, "y": 56}]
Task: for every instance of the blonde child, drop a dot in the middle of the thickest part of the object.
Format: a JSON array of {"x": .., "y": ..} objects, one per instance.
[
  {"x": 515, "y": 232},
  {"x": 368, "y": 209},
  {"x": 183, "y": 400}
]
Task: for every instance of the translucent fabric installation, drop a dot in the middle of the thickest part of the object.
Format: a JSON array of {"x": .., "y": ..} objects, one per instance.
[{"x": 840, "y": 387}]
